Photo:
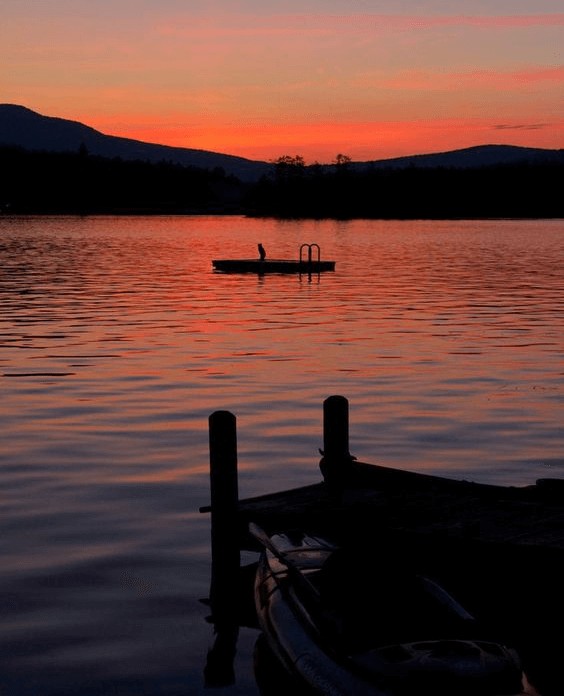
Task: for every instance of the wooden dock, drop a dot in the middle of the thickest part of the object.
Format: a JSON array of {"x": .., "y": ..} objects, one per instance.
[
  {"x": 308, "y": 262},
  {"x": 499, "y": 548},
  {"x": 351, "y": 493},
  {"x": 272, "y": 266}
]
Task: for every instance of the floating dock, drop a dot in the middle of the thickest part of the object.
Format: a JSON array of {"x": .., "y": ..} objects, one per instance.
[
  {"x": 271, "y": 266},
  {"x": 308, "y": 262}
]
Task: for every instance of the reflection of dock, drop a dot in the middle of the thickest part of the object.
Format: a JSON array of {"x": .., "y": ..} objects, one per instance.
[{"x": 500, "y": 547}]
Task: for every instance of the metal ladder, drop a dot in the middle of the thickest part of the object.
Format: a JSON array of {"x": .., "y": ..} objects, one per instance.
[{"x": 310, "y": 248}]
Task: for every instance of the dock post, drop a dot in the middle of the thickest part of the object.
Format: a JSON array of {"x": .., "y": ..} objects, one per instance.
[
  {"x": 336, "y": 427},
  {"x": 336, "y": 460},
  {"x": 224, "y": 494},
  {"x": 226, "y": 557}
]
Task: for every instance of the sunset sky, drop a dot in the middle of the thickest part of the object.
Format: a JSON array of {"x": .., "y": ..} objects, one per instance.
[{"x": 260, "y": 79}]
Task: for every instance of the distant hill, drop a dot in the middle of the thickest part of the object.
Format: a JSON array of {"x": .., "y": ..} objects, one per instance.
[
  {"x": 25, "y": 128},
  {"x": 471, "y": 158}
]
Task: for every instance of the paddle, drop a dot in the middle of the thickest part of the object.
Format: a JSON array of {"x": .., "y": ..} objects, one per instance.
[
  {"x": 260, "y": 535},
  {"x": 328, "y": 621}
]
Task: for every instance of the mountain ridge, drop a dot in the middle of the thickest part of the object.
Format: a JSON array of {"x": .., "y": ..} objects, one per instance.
[
  {"x": 25, "y": 128},
  {"x": 473, "y": 156}
]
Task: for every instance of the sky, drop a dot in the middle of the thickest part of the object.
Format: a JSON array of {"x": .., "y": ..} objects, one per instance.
[{"x": 261, "y": 79}]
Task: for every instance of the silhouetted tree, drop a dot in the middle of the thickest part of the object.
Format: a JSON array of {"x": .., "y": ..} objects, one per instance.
[
  {"x": 342, "y": 161},
  {"x": 288, "y": 166}
]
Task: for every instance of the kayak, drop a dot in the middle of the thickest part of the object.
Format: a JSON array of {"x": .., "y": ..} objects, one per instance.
[{"x": 343, "y": 626}]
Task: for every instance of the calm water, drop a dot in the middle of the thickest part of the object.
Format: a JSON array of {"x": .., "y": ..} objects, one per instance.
[{"x": 117, "y": 341}]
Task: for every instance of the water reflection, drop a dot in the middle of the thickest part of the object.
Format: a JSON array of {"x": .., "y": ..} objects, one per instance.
[
  {"x": 117, "y": 340},
  {"x": 271, "y": 678},
  {"x": 232, "y": 607}
]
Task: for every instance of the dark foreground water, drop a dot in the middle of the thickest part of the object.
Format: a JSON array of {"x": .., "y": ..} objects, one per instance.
[{"x": 117, "y": 341}]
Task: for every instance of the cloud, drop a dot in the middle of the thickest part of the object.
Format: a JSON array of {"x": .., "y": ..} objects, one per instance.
[
  {"x": 456, "y": 80},
  {"x": 521, "y": 126},
  {"x": 492, "y": 22},
  {"x": 317, "y": 25}
]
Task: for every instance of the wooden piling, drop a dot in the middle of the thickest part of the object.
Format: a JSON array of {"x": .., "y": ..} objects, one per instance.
[
  {"x": 336, "y": 463},
  {"x": 336, "y": 428},
  {"x": 224, "y": 493}
]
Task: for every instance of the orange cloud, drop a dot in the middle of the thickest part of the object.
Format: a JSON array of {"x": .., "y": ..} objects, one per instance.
[
  {"x": 361, "y": 140},
  {"x": 508, "y": 21},
  {"x": 424, "y": 79},
  {"x": 318, "y": 25}
]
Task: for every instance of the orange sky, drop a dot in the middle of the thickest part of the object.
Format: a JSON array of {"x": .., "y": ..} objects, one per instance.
[{"x": 315, "y": 78}]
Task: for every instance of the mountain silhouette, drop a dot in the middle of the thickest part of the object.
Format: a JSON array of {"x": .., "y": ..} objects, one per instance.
[
  {"x": 22, "y": 127},
  {"x": 472, "y": 158}
]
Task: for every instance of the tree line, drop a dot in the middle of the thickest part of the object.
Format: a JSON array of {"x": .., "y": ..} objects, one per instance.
[
  {"x": 80, "y": 183},
  {"x": 344, "y": 190}
]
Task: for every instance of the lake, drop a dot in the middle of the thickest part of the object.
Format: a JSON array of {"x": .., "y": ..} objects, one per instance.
[{"x": 118, "y": 340}]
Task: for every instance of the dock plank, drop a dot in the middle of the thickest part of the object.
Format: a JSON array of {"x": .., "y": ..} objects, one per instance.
[{"x": 381, "y": 498}]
